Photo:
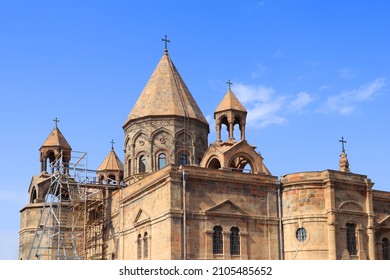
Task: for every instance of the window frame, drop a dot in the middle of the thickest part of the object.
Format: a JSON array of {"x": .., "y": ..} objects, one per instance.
[
  {"x": 385, "y": 248},
  {"x": 235, "y": 241},
  {"x": 142, "y": 164},
  {"x": 160, "y": 158},
  {"x": 351, "y": 239},
  {"x": 139, "y": 247},
  {"x": 217, "y": 240}
]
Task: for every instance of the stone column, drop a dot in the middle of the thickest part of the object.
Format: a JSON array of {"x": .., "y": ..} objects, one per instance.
[
  {"x": 218, "y": 128},
  {"x": 371, "y": 217},
  {"x": 231, "y": 129},
  {"x": 242, "y": 128},
  {"x": 331, "y": 220},
  {"x": 244, "y": 245},
  {"x": 209, "y": 244}
]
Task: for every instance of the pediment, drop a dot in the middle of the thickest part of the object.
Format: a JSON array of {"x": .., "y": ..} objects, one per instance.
[
  {"x": 385, "y": 222},
  {"x": 226, "y": 208},
  {"x": 351, "y": 206},
  {"x": 242, "y": 147},
  {"x": 141, "y": 217}
]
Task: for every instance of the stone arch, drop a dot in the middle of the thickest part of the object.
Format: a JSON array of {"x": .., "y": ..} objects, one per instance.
[
  {"x": 183, "y": 155},
  {"x": 240, "y": 160},
  {"x": 214, "y": 163},
  {"x": 101, "y": 179},
  {"x": 157, "y": 158},
  {"x": 222, "y": 120},
  {"x": 158, "y": 131},
  {"x": 351, "y": 205},
  {"x": 127, "y": 140},
  {"x": 200, "y": 148},
  {"x": 184, "y": 137},
  {"x": 141, "y": 158},
  {"x": 139, "y": 139}
]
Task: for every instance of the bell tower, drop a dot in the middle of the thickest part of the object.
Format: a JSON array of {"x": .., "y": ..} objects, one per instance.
[
  {"x": 53, "y": 148},
  {"x": 230, "y": 112}
]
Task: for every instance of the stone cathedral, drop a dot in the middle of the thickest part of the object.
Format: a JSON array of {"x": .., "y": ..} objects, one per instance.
[{"x": 177, "y": 196}]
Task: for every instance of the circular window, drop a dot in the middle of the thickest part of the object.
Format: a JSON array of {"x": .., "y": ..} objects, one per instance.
[{"x": 301, "y": 234}]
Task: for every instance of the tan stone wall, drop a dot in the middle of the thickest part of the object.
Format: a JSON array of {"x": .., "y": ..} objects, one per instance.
[
  {"x": 142, "y": 138},
  {"x": 304, "y": 201},
  {"x": 230, "y": 199}
]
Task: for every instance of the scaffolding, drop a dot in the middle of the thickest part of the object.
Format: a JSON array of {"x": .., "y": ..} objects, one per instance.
[{"x": 73, "y": 216}]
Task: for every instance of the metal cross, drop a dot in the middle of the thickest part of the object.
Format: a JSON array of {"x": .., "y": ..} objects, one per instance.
[
  {"x": 56, "y": 121},
  {"x": 112, "y": 143},
  {"x": 166, "y": 41},
  {"x": 229, "y": 83},
  {"x": 342, "y": 143}
]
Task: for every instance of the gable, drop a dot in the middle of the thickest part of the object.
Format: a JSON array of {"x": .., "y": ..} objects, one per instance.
[
  {"x": 141, "y": 217},
  {"x": 226, "y": 208},
  {"x": 384, "y": 223}
]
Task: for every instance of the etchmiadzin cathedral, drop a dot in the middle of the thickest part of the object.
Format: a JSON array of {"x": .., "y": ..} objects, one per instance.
[{"x": 179, "y": 196}]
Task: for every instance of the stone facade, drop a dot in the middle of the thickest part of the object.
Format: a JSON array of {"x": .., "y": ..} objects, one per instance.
[{"x": 179, "y": 197}]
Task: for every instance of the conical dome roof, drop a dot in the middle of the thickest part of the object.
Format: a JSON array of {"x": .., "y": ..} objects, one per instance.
[
  {"x": 230, "y": 102},
  {"x": 56, "y": 139},
  {"x": 111, "y": 163},
  {"x": 166, "y": 94}
]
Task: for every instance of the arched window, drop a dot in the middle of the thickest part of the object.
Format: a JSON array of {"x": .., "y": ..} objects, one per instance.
[
  {"x": 234, "y": 241},
  {"x": 162, "y": 160},
  {"x": 139, "y": 247},
  {"x": 217, "y": 240},
  {"x": 111, "y": 179},
  {"x": 183, "y": 159},
  {"x": 214, "y": 164},
  {"x": 142, "y": 164},
  {"x": 386, "y": 248},
  {"x": 146, "y": 247},
  {"x": 33, "y": 195},
  {"x": 351, "y": 239}
]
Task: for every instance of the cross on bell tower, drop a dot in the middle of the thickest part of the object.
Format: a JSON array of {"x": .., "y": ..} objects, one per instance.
[
  {"x": 56, "y": 121},
  {"x": 229, "y": 84},
  {"x": 166, "y": 41}
]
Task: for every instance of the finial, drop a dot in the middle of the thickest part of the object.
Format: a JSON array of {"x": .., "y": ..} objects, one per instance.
[
  {"x": 229, "y": 84},
  {"x": 342, "y": 144},
  {"x": 344, "y": 164},
  {"x": 112, "y": 144},
  {"x": 56, "y": 121},
  {"x": 166, "y": 43}
]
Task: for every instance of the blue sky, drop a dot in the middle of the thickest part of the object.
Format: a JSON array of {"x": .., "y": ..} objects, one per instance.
[{"x": 308, "y": 72}]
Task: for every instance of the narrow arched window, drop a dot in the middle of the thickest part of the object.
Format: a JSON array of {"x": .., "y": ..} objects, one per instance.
[
  {"x": 162, "y": 160},
  {"x": 142, "y": 164},
  {"x": 146, "y": 247},
  {"x": 386, "y": 249},
  {"x": 234, "y": 241},
  {"x": 139, "y": 247},
  {"x": 351, "y": 239},
  {"x": 217, "y": 240},
  {"x": 33, "y": 195},
  {"x": 183, "y": 159}
]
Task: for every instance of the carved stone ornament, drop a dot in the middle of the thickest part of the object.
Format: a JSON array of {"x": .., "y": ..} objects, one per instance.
[{"x": 141, "y": 142}]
